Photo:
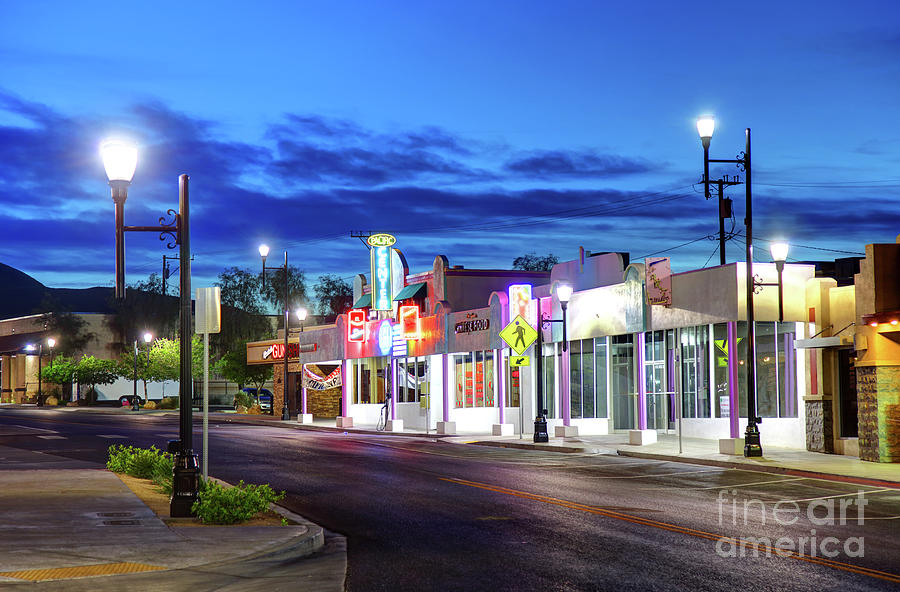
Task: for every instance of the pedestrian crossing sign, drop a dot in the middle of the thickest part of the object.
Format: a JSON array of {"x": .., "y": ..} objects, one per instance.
[
  {"x": 518, "y": 334},
  {"x": 519, "y": 361}
]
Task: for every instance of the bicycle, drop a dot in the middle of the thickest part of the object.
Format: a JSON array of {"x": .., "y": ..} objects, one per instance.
[{"x": 383, "y": 414}]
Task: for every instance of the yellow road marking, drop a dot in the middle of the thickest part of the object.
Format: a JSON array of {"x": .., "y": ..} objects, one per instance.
[
  {"x": 769, "y": 550},
  {"x": 79, "y": 571}
]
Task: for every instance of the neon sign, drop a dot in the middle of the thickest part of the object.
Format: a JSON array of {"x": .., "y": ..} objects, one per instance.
[
  {"x": 356, "y": 325},
  {"x": 381, "y": 239},
  {"x": 276, "y": 351},
  {"x": 385, "y": 338},
  {"x": 400, "y": 348},
  {"x": 520, "y": 303},
  {"x": 409, "y": 322},
  {"x": 382, "y": 298}
]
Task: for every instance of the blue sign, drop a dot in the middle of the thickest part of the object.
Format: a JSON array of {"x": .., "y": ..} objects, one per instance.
[
  {"x": 400, "y": 346},
  {"x": 385, "y": 337},
  {"x": 382, "y": 298}
]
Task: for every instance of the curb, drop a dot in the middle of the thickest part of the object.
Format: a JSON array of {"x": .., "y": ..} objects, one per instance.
[
  {"x": 762, "y": 468},
  {"x": 526, "y": 446}
]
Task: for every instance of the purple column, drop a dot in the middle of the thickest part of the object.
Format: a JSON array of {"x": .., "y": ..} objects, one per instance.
[
  {"x": 395, "y": 381},
  {"x": 500, "y": 383},
  {"x": 565, "y": 388},
  {"x": 446, "y": 376},
  {"x": 641, "y": 383},
  {"x": 345, "y": 388},
  {"x": 733, "y": 410},
  {"x": 790, "y": 376}
]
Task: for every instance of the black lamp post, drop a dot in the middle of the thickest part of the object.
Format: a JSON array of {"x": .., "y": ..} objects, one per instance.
[
  {"x": 563, "y": 293},
  {"x": 705, "y": 127},
  {"x": 40, "y": 349},
  {"x": 135, "y": 406},
  {"x": 120, "y": 160},
  {"x": 264, "y": 252}
]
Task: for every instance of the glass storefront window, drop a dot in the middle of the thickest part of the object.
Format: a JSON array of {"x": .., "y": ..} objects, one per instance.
[
  {"x": 474, "y": 379},
  {"x": 513, "y": 384},
  {"x": 600, "y": 349},
  {"x": 622, "y": 381},
  {"x": 696, "y": 401}
]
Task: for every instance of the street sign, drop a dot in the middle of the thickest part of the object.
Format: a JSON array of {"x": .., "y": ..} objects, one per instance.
[
  {"x": 519, "y": 361},
  {"x": 518, "y": 335}
]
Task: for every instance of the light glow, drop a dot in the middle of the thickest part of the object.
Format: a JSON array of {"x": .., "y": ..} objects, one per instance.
[
  {"x": 779, "y": 251},
  {"x": 521, "y": 303},
  {"x": 51, "y": 342},
  {"x": 119, "y": 160},
  {"x": 385, "y": 337},
  {"x": 705, "y": 126},
  {"x": 264, "y": 251},
  {"x": 302, "y": 313},
  {"x": 30, "y": 347},
  {"x": 563, "y": 292},
  {"x": 148, "y": 337},
  {"x": 382, "y": 296},
  {"x": 873, "y": 324}
]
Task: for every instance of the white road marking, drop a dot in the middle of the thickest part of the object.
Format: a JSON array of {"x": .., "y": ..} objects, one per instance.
[
  {"x": 855, "y": 493},
  {"x": 651, "y": 476},
  {"x": 749, "y": 484},
  {"x": 112, "y": 436},
  {"x": 53, "y": 437}
]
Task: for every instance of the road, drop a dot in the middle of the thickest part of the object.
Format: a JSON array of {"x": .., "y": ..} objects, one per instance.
[{"x": 425, "y": 514}]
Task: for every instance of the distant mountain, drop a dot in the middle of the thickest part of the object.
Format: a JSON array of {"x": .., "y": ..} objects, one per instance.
[{"x": 22, "y": 295}]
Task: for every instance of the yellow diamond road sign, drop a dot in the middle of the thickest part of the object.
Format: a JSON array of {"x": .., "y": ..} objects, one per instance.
[
  {"x": 519, "y": 361},
  {"x": 518, "y": 334}
]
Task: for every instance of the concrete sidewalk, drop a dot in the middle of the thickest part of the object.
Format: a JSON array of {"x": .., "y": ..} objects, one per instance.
[{"x": 63, "y": 521}]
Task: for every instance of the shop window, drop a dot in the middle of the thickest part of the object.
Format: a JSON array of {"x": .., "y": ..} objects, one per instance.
[
  {"x": 696, "y": 400},
  {"x": 474, "y": 379},
  {"x": 622, "y": 381},
  {"x": 513, "y": 384}
]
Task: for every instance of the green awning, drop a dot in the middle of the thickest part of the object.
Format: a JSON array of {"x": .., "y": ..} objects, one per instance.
[
  {"x": 364, "y": 301},
  {"x": 410, "y": 291}
]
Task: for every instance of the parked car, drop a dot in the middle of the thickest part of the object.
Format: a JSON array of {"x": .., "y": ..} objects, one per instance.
[{"x": 264, "y": 398}]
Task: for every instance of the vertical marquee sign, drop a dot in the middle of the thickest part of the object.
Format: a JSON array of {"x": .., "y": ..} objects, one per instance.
[
  {"x": 356, "y": 325},
  {"x": 380, "y": 258}
]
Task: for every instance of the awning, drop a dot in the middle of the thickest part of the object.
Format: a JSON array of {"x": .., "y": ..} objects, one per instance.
[
  {"x": 364, "y": 301},
  {"x": 410, "y": 291}
]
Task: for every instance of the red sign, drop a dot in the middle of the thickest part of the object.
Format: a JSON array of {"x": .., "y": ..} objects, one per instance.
[
  {"x": 409, "y": 322},
  {"x": 356, "y": 325}
]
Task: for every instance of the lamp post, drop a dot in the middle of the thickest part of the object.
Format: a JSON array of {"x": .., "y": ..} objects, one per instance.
[
  {"x": 779, "y": 252},
  {"x": 51, "y": 343},
  {"x": 135, "y": 406},
  {"x": 563, "y": 293},
  {"x": 264, "y": 252},
  {"x": 705, "y": 127},
  {"x": 40, "y": 349},
  {"x": 120, "y": 161}
]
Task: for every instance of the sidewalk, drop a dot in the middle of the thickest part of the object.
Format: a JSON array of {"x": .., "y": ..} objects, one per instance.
[{"x": 63, "y": 521}]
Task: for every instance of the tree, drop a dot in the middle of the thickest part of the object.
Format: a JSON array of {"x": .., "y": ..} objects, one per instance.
[
  {"x": 242, "y": 311},
  {"x": 67, "y": 328},
  {"x": 335, "y": 295},
  {"x": 144, "y": 308},
  {"x": 60, "y": 372},
  {"x": 534, "y": 262},
  {"x": 274, "y": 290},
  {"x": 126, "y": 365},
  {"x": 234, "y": 368},
  {"x": 93, "y": 371}
]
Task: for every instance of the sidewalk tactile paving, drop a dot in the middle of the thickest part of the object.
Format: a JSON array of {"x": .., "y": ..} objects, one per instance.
[{"x": 79, "y": 571}]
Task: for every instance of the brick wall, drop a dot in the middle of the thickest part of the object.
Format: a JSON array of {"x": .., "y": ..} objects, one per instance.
[{"x": 819, "y": 426}]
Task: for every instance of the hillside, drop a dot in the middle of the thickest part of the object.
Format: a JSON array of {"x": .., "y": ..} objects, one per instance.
[{"x": 22, "y": 295}]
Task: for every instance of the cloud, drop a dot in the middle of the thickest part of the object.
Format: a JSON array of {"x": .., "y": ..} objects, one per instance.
[{"x": 569, "y": 164}]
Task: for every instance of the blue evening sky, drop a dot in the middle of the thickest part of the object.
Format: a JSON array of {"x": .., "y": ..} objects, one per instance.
[{"x": 479, "y": 130}]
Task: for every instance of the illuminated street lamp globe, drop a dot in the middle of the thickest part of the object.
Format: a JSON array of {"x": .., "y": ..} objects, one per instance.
[{"x": 119, "y": 160}]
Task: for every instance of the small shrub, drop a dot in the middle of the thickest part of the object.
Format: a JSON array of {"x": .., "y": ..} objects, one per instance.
[
  {"x": 168, "y": 403},
  {"x": 227, "y": 505},
  {"x": 150, "y": 405},
  {"x": 152, "y": 463},
  {"x": 254, "y": 410},
  {"x": 242, "y": 399},
  {"x": 51, "y": 401}
]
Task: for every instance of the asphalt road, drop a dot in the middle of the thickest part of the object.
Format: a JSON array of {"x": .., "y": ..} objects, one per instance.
[{"x": 425, "y": 514}]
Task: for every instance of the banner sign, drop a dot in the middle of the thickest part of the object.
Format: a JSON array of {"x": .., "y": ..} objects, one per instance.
[
  {"x": 521, "y": 304},
  {"x": 382, "y": 296},
  {"x": 659, "y": 281},
  {"x": 315, "y": 382}
]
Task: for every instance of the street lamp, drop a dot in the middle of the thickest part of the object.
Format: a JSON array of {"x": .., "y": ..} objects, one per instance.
[
  {"x": 120, "y": 160},
  {"x": 705, "y": 127},
  {"x": 301, "y": 314},
  {"x": 51, "y": 343},
  {"x": 134, "y": 400},
  {"x": 779, "y": 252},
  {"x": 563, "y": 293},
  {"x": 264, "y": 252}
]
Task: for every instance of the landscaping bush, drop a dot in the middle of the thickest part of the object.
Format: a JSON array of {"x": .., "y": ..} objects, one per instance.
[
  {"x": 227, "y": 505},
  {"x": 242, "y": 399},
  {"x": 152, "y": 463},
  {"x": 168, "y": 403}
]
